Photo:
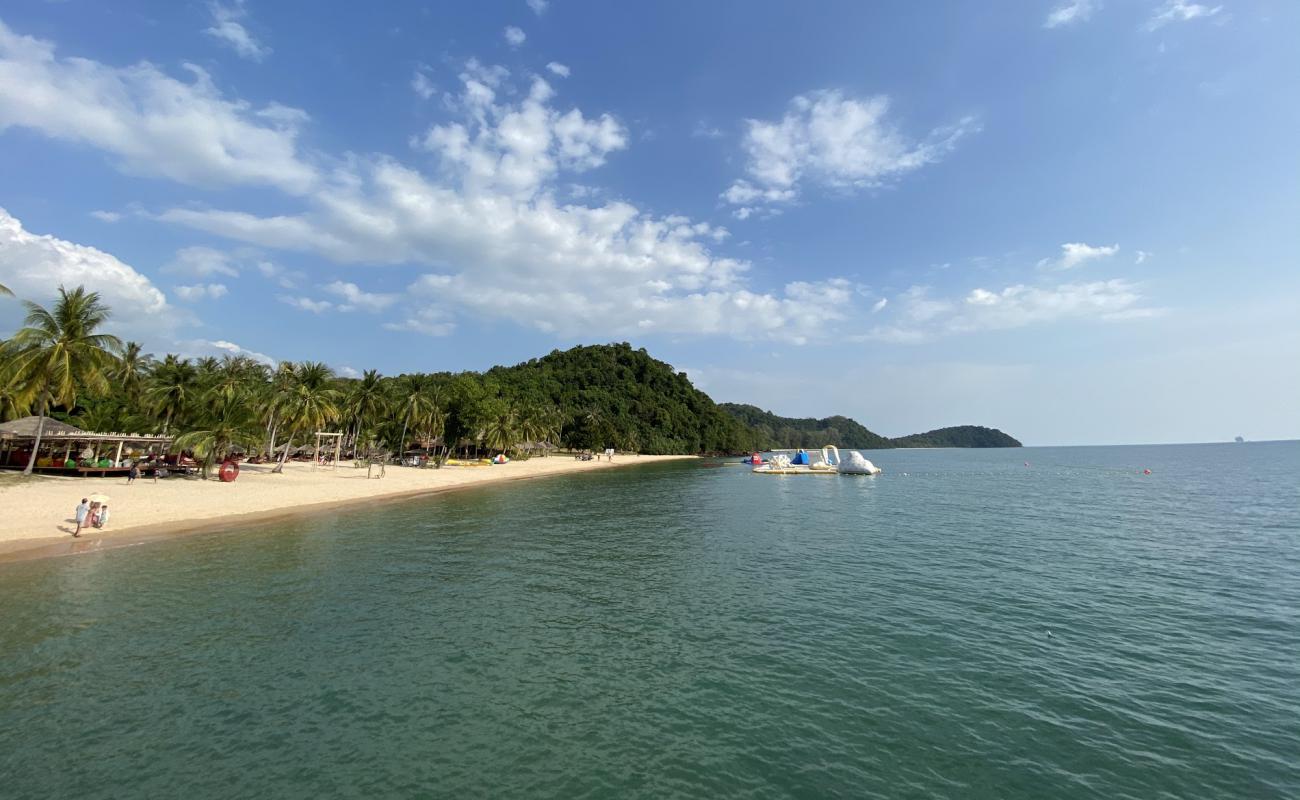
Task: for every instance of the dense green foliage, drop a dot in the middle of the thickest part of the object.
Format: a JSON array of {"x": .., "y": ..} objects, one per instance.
[
  {"x": 773, "y": 431},
  {"x": 958, "y": 436}
]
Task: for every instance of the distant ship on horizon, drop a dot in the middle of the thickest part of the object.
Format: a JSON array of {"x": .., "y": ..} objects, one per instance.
[{"x": 1239, "y": 440}]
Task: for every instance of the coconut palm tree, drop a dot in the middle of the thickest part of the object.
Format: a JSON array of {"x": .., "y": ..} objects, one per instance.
[
  {"x": 4, "y": 291},
  {"x": 15, "y": 400},
  {"x": 58, "y": 353},
  {"x": 501, "y": 432},
  {"x": 311, "y": 404},
  {"x": 173, "y": 386},
  {"x": 274, "y": 399},
  {"x": 414, "y": 402},
  {"x": 230, "y": 421},
  {"x": 130, "y": 373},
  {"x": 366, "y": 399}
]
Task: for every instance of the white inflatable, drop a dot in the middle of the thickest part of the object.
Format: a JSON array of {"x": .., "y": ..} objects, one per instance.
[{"x": 855, "y": 464}]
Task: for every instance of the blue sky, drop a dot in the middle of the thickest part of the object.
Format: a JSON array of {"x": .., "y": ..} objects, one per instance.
[{"x": 1073, "y": 220}]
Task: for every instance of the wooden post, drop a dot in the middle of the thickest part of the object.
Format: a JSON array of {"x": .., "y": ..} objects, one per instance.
[{"x": 118, "y": 461}]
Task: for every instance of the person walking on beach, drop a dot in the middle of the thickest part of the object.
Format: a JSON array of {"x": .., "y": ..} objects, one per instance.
[
  {"x": 83, "y": 511},
  {"x": 101, "y": 519},
  {"x": 132, "y": 474}
]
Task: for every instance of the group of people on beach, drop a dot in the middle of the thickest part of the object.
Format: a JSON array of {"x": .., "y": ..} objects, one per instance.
[{"x": 90, "y": 514}]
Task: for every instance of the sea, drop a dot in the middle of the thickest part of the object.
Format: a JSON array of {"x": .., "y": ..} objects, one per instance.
[{"x": 1089, "y": 622}]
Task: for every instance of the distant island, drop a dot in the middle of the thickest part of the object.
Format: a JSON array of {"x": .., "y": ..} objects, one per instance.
[{"x": 789, "y": 432}]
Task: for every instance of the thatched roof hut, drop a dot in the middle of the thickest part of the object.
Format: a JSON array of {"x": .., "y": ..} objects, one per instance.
[{"x": 25, "y": 428}]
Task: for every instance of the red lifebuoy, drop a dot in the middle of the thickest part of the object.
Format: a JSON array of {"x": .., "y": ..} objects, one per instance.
[{"x": 228, "y": 472}]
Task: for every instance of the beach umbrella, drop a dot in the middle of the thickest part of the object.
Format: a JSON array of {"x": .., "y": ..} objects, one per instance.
[{"x": 98, "y": 498}]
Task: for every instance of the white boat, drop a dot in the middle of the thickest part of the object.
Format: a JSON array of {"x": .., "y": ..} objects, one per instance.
[{"x": 805, "y": 462}]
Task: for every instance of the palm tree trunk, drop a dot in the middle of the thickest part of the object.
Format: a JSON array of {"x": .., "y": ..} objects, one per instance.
[
  {"x": 401, "y": 445},
  {"x": 272, "y": 426},
  {"x": 40, "y": 431},
  {"x": 287, "y": 446}
]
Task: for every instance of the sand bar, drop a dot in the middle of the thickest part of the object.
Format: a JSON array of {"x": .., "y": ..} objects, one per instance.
[{"x": 36, "y": 514}]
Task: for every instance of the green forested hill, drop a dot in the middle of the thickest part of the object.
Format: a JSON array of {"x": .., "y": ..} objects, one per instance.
[
  {"x": 773, "y": 431},
  {"x": 959, "y": 436},
  {"x": 614, "y": 395}
]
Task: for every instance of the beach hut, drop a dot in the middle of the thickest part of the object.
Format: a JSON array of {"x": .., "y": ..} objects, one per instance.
[{"x": 66, "y": 448}]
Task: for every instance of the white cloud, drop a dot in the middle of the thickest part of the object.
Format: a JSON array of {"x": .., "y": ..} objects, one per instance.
[
  {"x": 1070, "y": 13},
  {"x": 923, "y": 317},
  {"x": 286, "y": 279},
  {"x": 427, "y": 321},
  {"x": 106, "y": 216},
  {"x": 1142, "y": 256},
  {"x": 197, "y": 348},
  {"x": 833, "y": 141},
  {"x": 348, "y": 372},
  {"x": 703, "y": 130},
  {"x": 201, "y": 291},
  {"x": 151, "y": 123},
  {"x": 538, "y": 6},
  {"x": 354, "y": 298},
  {"x": 879, "y": 305},
  {"x": 421, "y": 85},
  {"x": 227, "y": 29},
  {"x": 516, "y": 148},
  {"x": 201, "y": 262},
  {"x": 514, "y": 36},
  {"x": 1179, "y": 11},
  {"x": 559, "y": 69},
  {"x": 35, "y": 266},
  {"x": 1076, "y": 254},
  {"x": 306, "y": 303}
]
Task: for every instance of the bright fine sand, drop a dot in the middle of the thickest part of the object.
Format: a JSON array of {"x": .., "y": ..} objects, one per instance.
[{"x": 36, "y": 514}]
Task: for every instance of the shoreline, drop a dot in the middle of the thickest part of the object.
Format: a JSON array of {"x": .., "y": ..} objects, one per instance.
[{"x": 25, "y": 546}]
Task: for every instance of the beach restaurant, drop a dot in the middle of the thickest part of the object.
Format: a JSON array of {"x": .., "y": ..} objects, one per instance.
[{"x": 69, "y": 450}]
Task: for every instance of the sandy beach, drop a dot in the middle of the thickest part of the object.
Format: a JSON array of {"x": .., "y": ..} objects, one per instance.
[{"x": 37, "y": 518}]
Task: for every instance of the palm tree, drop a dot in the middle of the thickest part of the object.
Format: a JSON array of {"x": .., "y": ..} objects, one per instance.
[
  {"x": 311, "y": 403},
  {"x": 231, "y": 422},
  {"x": 15, "y": 400},
  {"x": 500, "y": 432},
  {"x": 4, "y": 291},
  {"x": 58, "y": 353},
  {"x": 366, "y": 399},
  {"x": 274, "y": 399},
  {"x": 415, "y": 403},
  {"x": 173, "y": 386},
  {"x": 130, "y": 372}
]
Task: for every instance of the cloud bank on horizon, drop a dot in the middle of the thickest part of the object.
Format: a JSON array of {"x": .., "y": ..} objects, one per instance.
[{"x": 487, "y": 204}]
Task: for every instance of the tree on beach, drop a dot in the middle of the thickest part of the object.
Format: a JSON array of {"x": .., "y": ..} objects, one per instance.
[
  {"x": 58, "y": 354},
  {"x": 230, "y": 421},
  {"x": 274, "y": 399},
  {"x": 130, "y": 372},
  {"x": 4, "y": 291},
  {"x": 501, "y": 432},
  {"x": 415, "y": 402},
  {"x": 311, "y": 404},
  {"x": 365, "y": 401},
  {"x": 173, "y": 385}
]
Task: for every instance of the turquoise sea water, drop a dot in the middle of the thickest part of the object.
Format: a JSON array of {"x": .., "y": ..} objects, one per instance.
[{"x": 962, "y": 626}]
